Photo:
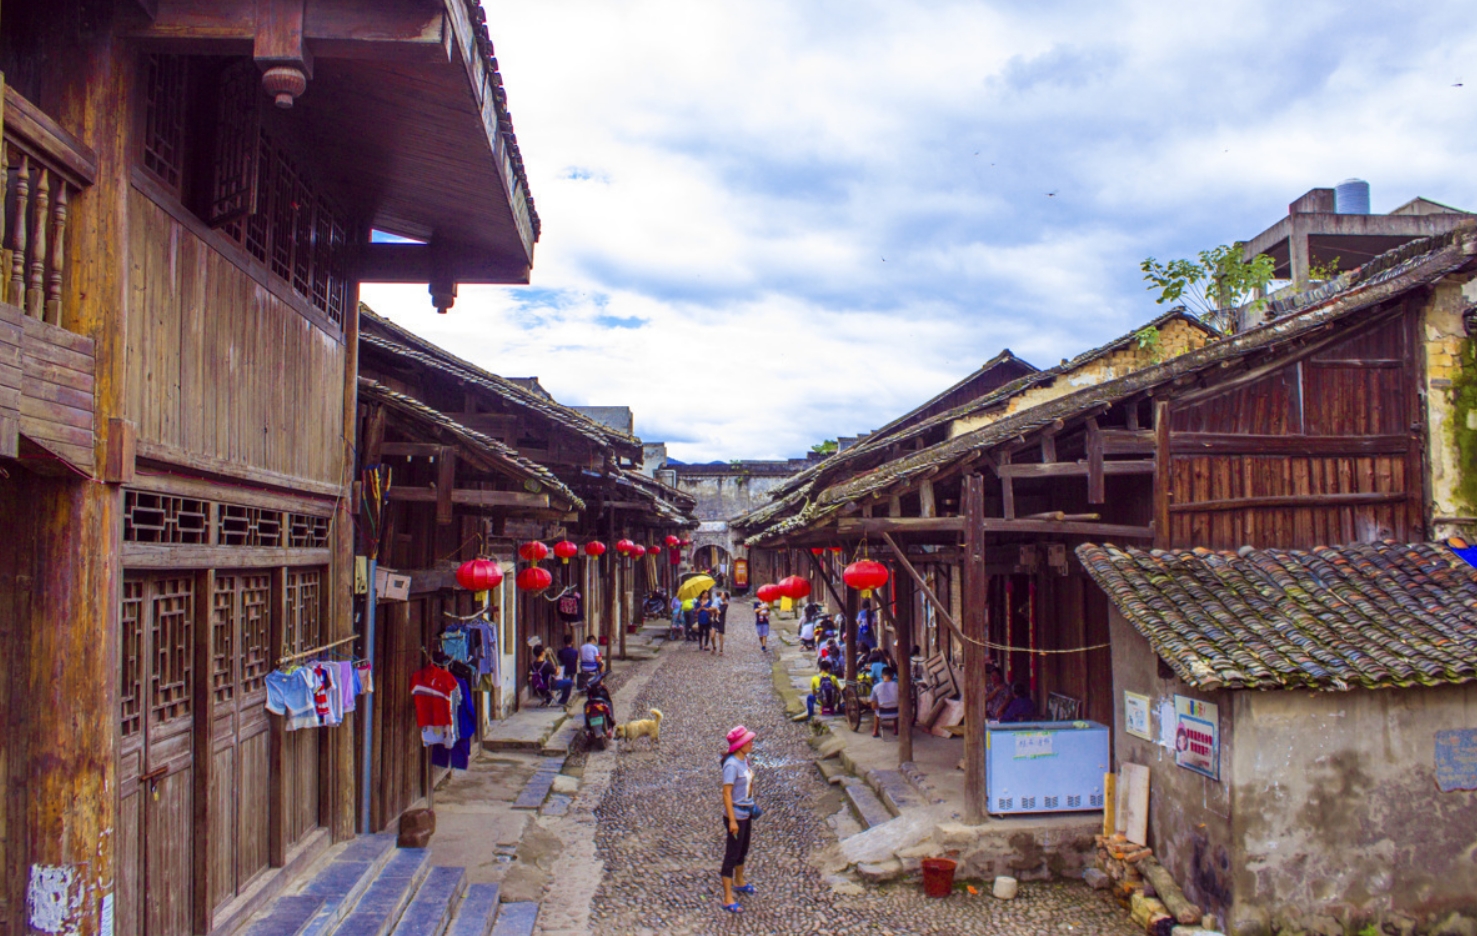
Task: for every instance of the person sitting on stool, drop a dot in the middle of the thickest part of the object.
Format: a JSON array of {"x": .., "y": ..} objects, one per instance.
[{"x": 884, "y": 701}]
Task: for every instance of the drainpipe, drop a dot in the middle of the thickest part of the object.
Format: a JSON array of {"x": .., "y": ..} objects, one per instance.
[{"x": 367, "y": 704}]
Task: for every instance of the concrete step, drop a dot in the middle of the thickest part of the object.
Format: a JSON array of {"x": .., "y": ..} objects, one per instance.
[
  {"x": 378, "y": 910},
  {"x": 429, "y": 911},
  {"x": 516, "y": 919},
  {"x": 868, "y": 808},
  {"x": 344, "y": 880},
  {"x": 527, "y": 730},
  {"x": 895, "y": 790},
  {"x": 539, "y": 785},
  {"x": 832, "y": 771},
  {"x": 288, "y": 916},
  {"x": 477, "y": 913},
  {"x": 559, "y": 742}
]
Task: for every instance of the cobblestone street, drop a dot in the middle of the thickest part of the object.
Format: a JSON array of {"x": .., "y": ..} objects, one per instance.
[{"x": 660, "y": 840}]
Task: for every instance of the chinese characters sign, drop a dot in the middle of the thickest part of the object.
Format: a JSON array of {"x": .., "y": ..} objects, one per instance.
[
  {"x": 1136, "y": 715},
  {"x": 1197, "y": 736}
]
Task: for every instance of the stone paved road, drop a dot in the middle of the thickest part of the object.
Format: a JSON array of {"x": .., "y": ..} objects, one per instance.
[{"x": 661, "y": 842}]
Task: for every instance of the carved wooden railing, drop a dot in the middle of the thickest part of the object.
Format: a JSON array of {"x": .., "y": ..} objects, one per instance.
[{"x": 46, "y": 168}]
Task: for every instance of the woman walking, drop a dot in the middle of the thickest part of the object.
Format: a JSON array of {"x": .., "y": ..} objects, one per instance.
[{"x": 738, "y": 813}]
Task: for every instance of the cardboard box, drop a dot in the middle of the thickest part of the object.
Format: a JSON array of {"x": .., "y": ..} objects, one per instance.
[{"x": 390, "y": 585}]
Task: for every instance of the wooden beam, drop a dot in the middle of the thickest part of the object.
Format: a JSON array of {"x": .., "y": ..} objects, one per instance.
[
  {"x": 1076, "y": 469},
  {"x": 1301, "y": 501},
  {"x": 155, "y": 556},
  {"x": 976, "y": 580},
  {"x": 938, "y": 606},
  {"x": 468, "y": 497},
  {"x": 851, "y": 526},
  {"x": 169, "y": 455},
  {"x": 1127, "y": 441},
  {"x": 1007, "y": 483},
  {"x": 279, "y": 39},
  {"x": 1217, "y": 443},
  {"x": 410, "y": 449},
  {"x": 1163, "y": 476},
  {"x": 184, "y": 486},
  {"x": 419, "y": 263},
  {"x": 446, "y": 484},
  {"x": 1069, "y": 528},
  {"x": 122, "y": 452},
  {"x": 1096, "y": 492}
]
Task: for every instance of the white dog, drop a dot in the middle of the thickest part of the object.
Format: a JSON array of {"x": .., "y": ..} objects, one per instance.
[{"x": 651, "y": 727}]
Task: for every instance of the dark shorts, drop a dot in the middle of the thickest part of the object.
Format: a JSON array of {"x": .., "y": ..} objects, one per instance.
[
  {"x": 737, "y": 848},
  {"x": 718, "y": 626}
]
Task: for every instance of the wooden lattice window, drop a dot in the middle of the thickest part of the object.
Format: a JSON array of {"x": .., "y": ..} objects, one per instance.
[
  {"x": 256, "y": 628},
  {"x": 164, "y": 118},
  {"x": 306, "y": 531},
  {"x": 130, "y": 657},
  {"x": 172, "y": 639},
  {"x": 303, "y": 627},
  {"x": 223, "y": 638},
  {"x": 164, "y": 518},
  {"x": 237, "y": 138},
  {"x": 248, "y": 526}
]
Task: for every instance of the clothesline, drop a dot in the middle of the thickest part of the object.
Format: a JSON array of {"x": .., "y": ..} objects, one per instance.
[{"x": 308, "y": 653}]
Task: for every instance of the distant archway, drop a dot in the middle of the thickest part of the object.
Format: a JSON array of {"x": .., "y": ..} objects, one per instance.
[{"x": 714, "y": 557}]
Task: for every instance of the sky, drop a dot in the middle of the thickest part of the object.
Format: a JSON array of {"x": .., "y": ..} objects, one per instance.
[{"x": 772, "y": 222}]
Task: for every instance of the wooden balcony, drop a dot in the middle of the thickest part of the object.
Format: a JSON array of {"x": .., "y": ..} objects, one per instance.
[{"x": 46, "y": 371}]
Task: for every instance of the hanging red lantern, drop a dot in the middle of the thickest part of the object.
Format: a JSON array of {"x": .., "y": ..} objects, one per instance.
[
  {"x": 865, "y": 574},
  {"x": 685, "y": 542},
  {"x": 769, "y": 594},
  {"x": 595, "y": 549},
  {"x": 533, "y": 551},
  {"x": 534, "y": 579},
  {"x": 673, "y": 541},
  {"x": 479, "y": 575},
  {"x": 637, "y": 551},
  {"x": 817, "y": 550},
  {"x": 566, "y": 551},
  {"x": 654, "y": 549},
  {"x": 625, "y": 547},
  {"x": 794, "y": 587},
  {"x": 837, "y": 549}
]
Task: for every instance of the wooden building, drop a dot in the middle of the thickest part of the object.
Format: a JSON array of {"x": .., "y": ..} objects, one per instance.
[
  {"x": 188, "y": 205},
  {"x": 1327, "y": 425},
  {"x": 478, "y": 464}
]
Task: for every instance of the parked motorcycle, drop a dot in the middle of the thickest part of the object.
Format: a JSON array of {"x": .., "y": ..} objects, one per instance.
[
  {"x": 599, "y": 714},
  {"x": 656, "y": 605}
]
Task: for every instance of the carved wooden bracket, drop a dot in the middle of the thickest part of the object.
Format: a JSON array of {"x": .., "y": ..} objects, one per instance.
[{"x": 280, "y": 50}]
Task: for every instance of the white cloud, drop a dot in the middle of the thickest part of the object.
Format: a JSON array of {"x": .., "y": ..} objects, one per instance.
[{"x": 787, "y": 196}]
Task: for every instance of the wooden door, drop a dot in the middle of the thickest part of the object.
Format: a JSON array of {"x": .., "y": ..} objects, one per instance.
[
  {"x": 238, "y": 805},
  {"x": 302, "y": 630},
  {"x": 156, "y": 760}
]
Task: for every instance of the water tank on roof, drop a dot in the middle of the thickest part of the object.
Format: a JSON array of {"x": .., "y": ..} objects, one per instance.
[{"x": 1351, "y": 196}]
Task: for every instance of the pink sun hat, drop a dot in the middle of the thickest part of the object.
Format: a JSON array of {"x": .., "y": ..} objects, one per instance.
[{"x": 739, "y": 737}]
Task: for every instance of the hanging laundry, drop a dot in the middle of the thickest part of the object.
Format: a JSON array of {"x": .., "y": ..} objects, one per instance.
[
  {"x": 347, "y": 677},
  {"x": 484, "y": 647},
  {"x": 432, "y": 688},
  {"x": 363, "y": 670},
  {"x": 454, "y": 644},
  {"x": 290, "y": 694},
  {"x": 459, "y": 754},
  {"x": 571, "y": 607}
]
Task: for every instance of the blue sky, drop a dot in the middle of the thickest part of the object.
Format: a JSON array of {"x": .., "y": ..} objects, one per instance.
[{"x": 772, "y": 222}]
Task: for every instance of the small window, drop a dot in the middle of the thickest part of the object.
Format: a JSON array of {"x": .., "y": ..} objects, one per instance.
[{"x": 164, "y": 118}]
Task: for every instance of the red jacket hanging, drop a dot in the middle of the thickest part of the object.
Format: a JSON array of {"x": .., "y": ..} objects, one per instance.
[{"x": 431, "y": 689}]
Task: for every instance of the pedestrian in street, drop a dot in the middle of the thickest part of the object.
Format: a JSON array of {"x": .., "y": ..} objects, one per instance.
[
  {"x": 677, "y": 618},
  {"x": 761, "y": 625},
  {"x": 865, "y": 618},
  {"x": 591, "y": 661},
  {"x": 738, "y": 815},
  {"x": 704, "y": 610},
  {"x": 689, "y": 616},
  {"x": 720, "y": 620}
]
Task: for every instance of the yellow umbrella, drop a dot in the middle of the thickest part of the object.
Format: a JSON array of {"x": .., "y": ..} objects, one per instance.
[{"x": 695, "y": 586}]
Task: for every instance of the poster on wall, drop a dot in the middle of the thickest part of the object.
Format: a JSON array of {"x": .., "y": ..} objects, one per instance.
[
  {"x": 1197, "y": 738},
  {"x": 740, "y": 574},
  {"x": 1456, "y": 759},
  {"x": 1136, "y": 715}
]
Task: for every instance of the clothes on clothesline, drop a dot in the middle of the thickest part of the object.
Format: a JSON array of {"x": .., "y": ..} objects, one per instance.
[
  {"x": 474, "y": 643},
  {"x": 464, "y": 720},
  {"x": 315, "y": 694}
]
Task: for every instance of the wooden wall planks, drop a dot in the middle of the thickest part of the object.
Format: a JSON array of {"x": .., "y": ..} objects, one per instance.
[{"x": 218, "y": 366}]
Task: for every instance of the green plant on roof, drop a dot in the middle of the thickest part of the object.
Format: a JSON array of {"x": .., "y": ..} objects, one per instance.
[
  {"x": 1148, "y": 339},
  {"x": 1212, "y": 285},
  {"x": 1322, "y": 272},
  {"x": 825, "y": 448}
]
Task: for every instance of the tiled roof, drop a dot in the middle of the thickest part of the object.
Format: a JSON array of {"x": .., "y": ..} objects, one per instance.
[
  {"x": 392, "y": 339},
  {"x": 1374, "y": 615},
  {"x": 489, "y": 448}
]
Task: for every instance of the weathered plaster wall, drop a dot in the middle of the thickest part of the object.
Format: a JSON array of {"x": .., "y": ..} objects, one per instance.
[
  {"x": 1175, "y": 338},
  {"x": 722, "y": 497},
  {"x": 1451, "y": 408},
  {"x": 1338, "y": 815},
  {"x": 1189, "y": 814}
]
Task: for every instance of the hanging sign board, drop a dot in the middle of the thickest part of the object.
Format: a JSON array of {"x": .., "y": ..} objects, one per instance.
[
  {"x": 1197, "y": 740},
  {"x": 1136, "y": 715},
  {"x": 740, "y": 574}
]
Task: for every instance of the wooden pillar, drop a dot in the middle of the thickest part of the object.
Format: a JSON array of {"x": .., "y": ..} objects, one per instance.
[
  {"x": 342, "y": 781},
  {"x": 902, "y": 589},
  {"x": 973, "y": 625},
  {"x": 1163, "y": 476},
  {"x": 849, "y": 630},
  {"x": 612, "y": 591}
]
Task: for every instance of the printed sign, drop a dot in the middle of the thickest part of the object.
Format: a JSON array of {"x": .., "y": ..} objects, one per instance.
[
  {"x": 740, "y": 574},
  {"x": 1197, "y": 739},
  {"x": 1456, "y": 759},
  {"x": 1136, "y": 715},
  {"x": 1029, "y": 744}
]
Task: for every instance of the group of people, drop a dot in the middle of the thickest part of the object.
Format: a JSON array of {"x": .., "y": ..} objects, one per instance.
[
  {"x": 574, "y": 668},
  {"x": 704, "y": 619}
]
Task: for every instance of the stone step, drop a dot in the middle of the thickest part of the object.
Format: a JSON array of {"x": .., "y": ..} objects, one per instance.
[
  {"x": 516, "y": 919},
  {"x": 477, "y": 913},
  {"x": 832, "y": 771},
  {"x": 896, "y": 790},
  {"x": 289, "y": 916},
  {"x": 429, "y": 911},
  {"x": 345, "y": 879},
  {"x": 378, "y": 910},
  {"x": 559, "y": 742},
  {"x": 539, "y": 785},
  {"x": 868, "y": 808},
  {"x": 527, "y": 730}
]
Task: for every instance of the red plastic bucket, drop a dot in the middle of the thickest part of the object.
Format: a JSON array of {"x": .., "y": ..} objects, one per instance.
[{"x": 938, "y": 876}]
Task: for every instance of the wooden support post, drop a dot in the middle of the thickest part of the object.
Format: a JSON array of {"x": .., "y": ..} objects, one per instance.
[
  {"x": 612, "y": 581},
  {"x": 445, "y": 483},
  {"x": 938, "y": 606},
  {"x": 1095, "y": 487},
  {"x": 849, "y": 634},
  {"x": 926, "y": 507},
  {"x": 901, "y": 652},
  {"x": 1163, "y": 475},
  {"x": 1007, "y": 487},
  {"x": 975, "y": 583},
  {"x": 345, "y": 774}
]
